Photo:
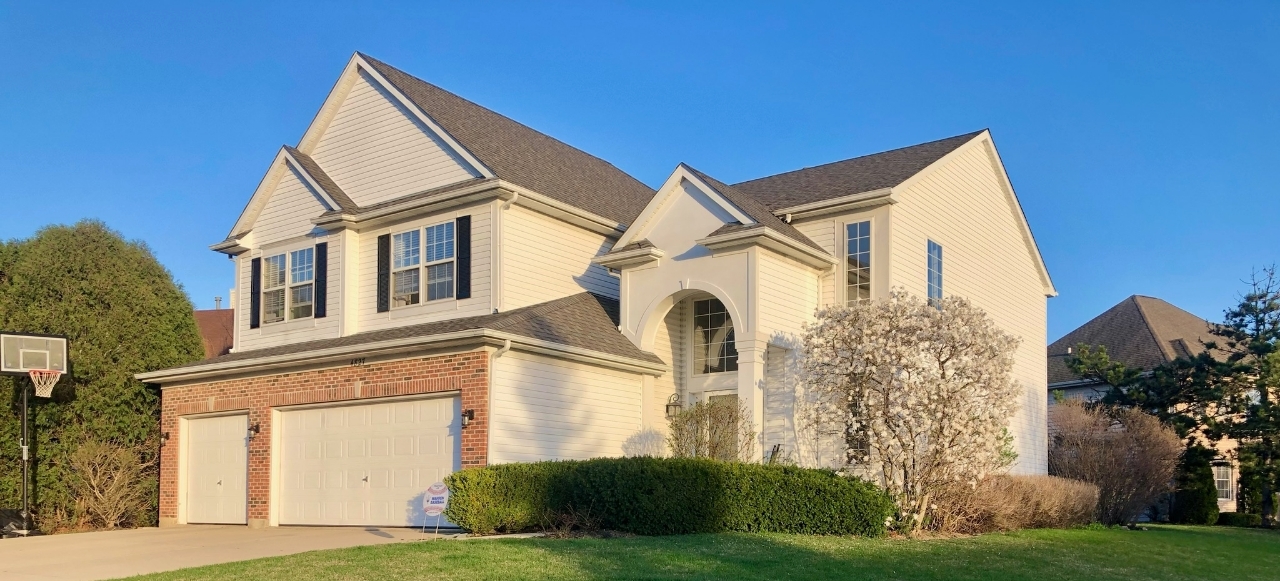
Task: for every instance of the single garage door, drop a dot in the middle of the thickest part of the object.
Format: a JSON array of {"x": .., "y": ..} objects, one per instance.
[
  {"x": 367, "y": 464},
  {"x": 217, "y": 470}
]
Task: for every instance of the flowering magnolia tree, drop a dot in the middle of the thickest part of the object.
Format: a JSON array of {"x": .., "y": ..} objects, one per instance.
[{"x": 923, "y": 393}]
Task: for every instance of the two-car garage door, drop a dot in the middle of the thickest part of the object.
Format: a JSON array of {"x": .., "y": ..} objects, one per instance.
[{"x": 364, "y": 464}]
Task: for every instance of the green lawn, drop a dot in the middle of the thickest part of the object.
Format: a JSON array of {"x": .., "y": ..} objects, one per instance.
[{"x": 1165, "y": 552}]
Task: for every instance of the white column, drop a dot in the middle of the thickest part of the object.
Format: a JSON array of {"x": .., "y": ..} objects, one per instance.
[{"x": 751, "y": 357}]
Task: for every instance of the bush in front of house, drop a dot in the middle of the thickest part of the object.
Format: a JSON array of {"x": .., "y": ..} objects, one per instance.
[
  {"x": 1239, "y": 519},
  {"x": 1009, "y": 503},
  {"x": 666, "y": 496},
  {"x": 1195, "y": 502}
]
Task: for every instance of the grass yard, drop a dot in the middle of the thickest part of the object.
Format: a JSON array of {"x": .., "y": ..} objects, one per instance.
[{"x": 1164, "y": 552}]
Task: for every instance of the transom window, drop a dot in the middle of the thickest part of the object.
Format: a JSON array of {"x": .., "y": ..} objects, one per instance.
[
  {"x": 288, "y": 286},
  {"x": 713, "y": 344},
  {"x": 935, "y": 273},
  {"x": 408, "y": 264},
  {"x": 858, "y": 265},
  {"x": 1222, "y": 479}
]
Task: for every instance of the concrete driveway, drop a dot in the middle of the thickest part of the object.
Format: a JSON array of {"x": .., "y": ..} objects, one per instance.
[{"x": 114, "y": 554}]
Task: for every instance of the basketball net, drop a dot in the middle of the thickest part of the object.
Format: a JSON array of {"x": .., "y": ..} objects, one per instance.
[{"x": 44, "y": 379}]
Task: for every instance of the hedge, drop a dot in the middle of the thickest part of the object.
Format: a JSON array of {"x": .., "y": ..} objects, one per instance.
[
  {"x": 666, "y": 496},
  {"x": 1239, "y": 519}
]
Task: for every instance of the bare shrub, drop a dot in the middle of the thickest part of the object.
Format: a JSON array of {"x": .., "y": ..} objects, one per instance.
[
  {"x": 107, "y": 480},
  {"x": 1131, "y": 456},
  {"x": 719, "y": 429},
  {"x": 1009, "y": 503}
]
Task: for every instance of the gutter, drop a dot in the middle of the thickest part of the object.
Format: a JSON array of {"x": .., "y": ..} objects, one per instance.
[
  {"x": 851, "y": 202},
  {"x": 771, "y": 239}
]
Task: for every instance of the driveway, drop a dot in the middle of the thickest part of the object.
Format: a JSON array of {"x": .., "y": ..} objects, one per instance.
[{"x": 113, "y": 554}]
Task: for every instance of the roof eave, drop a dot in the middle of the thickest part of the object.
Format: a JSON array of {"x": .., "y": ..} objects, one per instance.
[
  {"x": 629, "y": 258},
  {"x": 771, "y": 239},
  {"x": 841, "y": 204}
]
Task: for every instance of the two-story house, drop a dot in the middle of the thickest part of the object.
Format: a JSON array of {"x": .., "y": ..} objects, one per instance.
[{"x": 424, "y": 285}]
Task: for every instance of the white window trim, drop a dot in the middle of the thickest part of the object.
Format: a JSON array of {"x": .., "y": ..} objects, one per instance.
[
  {"x": 843, "y": 238},
  {"x": 453, "y": 258},
  {"x": 423, "y": 264},
  {"x": 395, "y": 271},
  {"x": 942, "y": 270},
  {"x": 287, "y": 287},
  {"x": 689, "y": 332}
]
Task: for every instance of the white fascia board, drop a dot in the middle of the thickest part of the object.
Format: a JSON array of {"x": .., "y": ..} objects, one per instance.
[
  {"x": 629, "y": 258},
  {"x": 257, "y": 201},
  {"x": 562, "y": 211},
  {"x": 311, "y": 181},
  {"x": 771, "y": 239},
  {"x": 442, "y": 340},
  {"x": 841, "y": 204},
  {"x": 668, "y": 189}
]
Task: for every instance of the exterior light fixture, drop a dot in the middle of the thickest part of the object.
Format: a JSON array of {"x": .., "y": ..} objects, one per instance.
[
  {"x": 674, "y": 406},
  {"x": 254, "y": 430},
  {"x": 164, "y": 438},
  {"x": 468, "y": 416}
]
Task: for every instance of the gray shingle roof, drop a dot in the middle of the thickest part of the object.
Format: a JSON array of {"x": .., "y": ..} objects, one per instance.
[
  {"x": 849, "y": 177},
  {"x": 322, "y": 179},
  {"x": 524, "y": 156},
  {"x": 583, "y": 320},
  {"x": 1142, "y": 332},
  {"x": 752, "y": 207}
]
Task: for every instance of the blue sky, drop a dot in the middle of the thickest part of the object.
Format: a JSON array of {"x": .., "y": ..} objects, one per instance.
[{"x": 1140, "y": 137}]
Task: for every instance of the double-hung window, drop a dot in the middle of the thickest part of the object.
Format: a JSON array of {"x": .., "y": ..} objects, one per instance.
[
  {"x": 410, "y": 257},
  {"x": 288, "y": 286},
  {"x": 302, "y": 274},
  {"x": 273, "y": 278},
  {"x": 858, "y": 263},
  {"x": 935, "y": 273},
  {"x": 1222, "y": 480},
  {"x": 714, "y": 350}
]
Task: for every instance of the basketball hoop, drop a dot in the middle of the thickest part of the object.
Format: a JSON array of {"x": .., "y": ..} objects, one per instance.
[{"x": 44, "y": 379}]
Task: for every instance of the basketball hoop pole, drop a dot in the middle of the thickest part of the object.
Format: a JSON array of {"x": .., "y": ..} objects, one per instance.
[{"x": 26, "y": 467}]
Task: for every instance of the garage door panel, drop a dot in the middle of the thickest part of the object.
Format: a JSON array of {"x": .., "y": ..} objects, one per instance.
[
  {"x": 372, "y": 461},
  {"x": 217, "y": 470}
]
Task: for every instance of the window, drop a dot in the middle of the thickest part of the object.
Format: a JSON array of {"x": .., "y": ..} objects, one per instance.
[
  {"x": 288, "y": 286},
  {"x": 1222, "y": 479},
  {"x": 410, "y": 257},
  {"x": 858, "y": 266},
  {"x": 713, "y": 346},
  {"x": 273, "y": 271},
  {"x": 405, "y": 276},
  {"x": 935, "y": 273},
  {"x": 302, "y": 272}
]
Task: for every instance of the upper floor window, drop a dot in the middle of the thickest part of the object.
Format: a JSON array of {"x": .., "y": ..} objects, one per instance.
[
  {"x": 935, "y": 273},
  {"x": 713, "y": 343},
  {"x": 858, "y": 266},
  {"x": 410, "y": 257},
  {"x": 288, "y": 285},
  {"x": 1222, "y": 479}
]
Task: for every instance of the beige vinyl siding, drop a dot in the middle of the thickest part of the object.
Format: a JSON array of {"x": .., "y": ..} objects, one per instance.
[
  {"x": 545, "y": 259},
  {"x": 670, "y": 345},
  {"x": 787, "y": 294},
  {"x": 829, "y": 233},
  {"x": 294, "y": 331},
  {"x": 545, "y": 408},
  {"x": 823, "y": 233},
  {"x": 288, "y": 212},
  {"x": 376, "y": 150},
  {"x": 963, "y": 206},
  {"x": 425, "y": 312}
]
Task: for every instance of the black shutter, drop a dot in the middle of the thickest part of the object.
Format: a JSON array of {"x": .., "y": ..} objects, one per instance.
[
  {"x": 322, "y": 278},
  {"x": 463, "y": 243},
  {"x": 384, "y": 273},
  {"x": 255, "y": 292}
]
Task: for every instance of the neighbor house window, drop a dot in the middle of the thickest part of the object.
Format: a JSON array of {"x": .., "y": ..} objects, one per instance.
[
  {"x": 302, "y": 273},
  {"x": 935, "y": 273},
  {"x": 410, "y": 257},
  {"x": 858, "y": 266},
  {"x": 406, "y": 255},
  {"x": 713, "y": 344},
  {"x": 273, "y": 277},
  {"x": 1222, "y": 479}
]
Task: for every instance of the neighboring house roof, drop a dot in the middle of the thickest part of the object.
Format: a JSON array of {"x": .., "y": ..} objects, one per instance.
[
  {"x": 584, "y": 320},
  {"x": 217, "y": 331},
  {"x": 323, "y": 180},
  {"x": 752, "y": 207},
  {"x": 851, "y": 176},
  {"x": 521, "y": 155},
  {"x": 1142, "y": 332}
]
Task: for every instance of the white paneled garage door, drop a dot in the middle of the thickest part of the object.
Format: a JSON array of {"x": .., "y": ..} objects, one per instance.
[
  {"x": 366, "y": 464},
  {"x": 217, "y": 469}
]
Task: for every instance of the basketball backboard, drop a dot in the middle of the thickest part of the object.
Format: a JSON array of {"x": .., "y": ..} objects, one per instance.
[{"x": 23, "y": 352}]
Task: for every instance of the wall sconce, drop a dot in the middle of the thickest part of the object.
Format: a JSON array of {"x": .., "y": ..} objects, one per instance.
[
  {"x": 254, "y": 430},
  {"x": 674, "y": 406},
  {"x": 164, "y": 438},
  {"x": 468, "y": 416}
]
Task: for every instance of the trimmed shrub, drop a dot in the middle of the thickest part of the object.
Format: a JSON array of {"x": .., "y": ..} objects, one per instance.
[
  {"x": 1196, "y": 500},
  {"x": 666, "y": 496},
  {"x": 1009, "y": 503},
  {"x": 1239, "y": 519}
]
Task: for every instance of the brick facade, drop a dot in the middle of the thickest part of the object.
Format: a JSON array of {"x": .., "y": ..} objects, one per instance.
[{"x": 467, "y": 373}]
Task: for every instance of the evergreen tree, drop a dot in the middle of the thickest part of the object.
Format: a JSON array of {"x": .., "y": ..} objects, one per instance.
[
  {"x": 1195, "y": 502},
  {"x": 122, "y": 314}
]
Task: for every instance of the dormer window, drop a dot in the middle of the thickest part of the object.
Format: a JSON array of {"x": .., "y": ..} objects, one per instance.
[
  {"x": 288, "y": 286},
  {"x": 713, "y": 343},
  {"x": 410, "y": 257}
]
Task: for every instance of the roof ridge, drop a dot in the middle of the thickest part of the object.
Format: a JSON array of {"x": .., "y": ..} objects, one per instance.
[
  {"x": 830, "y": 163},
  {"x": 1165, "y": 350}
]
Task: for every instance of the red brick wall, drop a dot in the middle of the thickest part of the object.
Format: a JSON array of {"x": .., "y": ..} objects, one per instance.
[{"x": 464, "y": 372}]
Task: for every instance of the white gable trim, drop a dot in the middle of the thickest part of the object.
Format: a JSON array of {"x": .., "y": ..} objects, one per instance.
[
  {"x": 282, "y": 162},
  {"x": 984, "y": 141},
  {"x": 311, "y": 181},
  {"x": 665, "y": 194},
  {"x": 339, "y": 93}
]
